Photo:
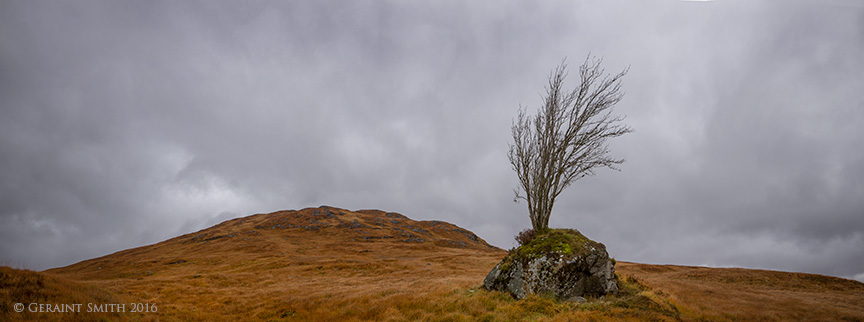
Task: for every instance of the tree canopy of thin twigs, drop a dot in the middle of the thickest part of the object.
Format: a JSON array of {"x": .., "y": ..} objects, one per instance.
[{"x": 566, "y": 139}]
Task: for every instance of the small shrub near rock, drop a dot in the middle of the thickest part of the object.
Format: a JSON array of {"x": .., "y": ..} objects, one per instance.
[{"x": 525, "y": 236}]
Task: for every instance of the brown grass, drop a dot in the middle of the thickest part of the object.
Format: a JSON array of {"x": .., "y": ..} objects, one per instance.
[
  {"x": 25, "y": 287},
  {"x": 371, "y": 266},
  {"x": 735, "y": 294}
]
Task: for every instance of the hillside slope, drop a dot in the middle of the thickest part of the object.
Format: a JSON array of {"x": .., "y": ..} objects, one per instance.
[
  {"x": 26, "y": 287},
  {"x": 736, "y": 294},
  {"x": 330, "y": 264},
  {"x": 288, "y": 262}
]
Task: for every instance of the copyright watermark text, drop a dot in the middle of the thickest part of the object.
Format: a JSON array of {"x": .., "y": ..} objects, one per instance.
[{"x": 85, "y": 307}]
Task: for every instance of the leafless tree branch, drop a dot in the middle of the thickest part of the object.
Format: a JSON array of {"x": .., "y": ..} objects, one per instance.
[{"x": 566, "y": 139}]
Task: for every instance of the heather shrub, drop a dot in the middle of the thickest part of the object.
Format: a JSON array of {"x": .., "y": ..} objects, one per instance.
[{"x": 525, "y": 236}]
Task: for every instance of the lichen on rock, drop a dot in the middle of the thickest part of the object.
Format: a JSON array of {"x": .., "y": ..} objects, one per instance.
[{"x": 560, "y": 262}]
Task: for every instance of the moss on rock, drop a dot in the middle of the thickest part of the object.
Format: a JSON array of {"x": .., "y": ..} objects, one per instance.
[
  {"x": 561, "y": 242},
  {"x": 562, "y": 262}
]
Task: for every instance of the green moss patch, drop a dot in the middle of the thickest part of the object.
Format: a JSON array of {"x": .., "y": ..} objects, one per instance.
[{"x": 557, "y": 242}]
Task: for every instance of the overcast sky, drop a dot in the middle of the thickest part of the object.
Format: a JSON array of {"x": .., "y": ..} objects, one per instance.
[{"x": 125, "y": 123}]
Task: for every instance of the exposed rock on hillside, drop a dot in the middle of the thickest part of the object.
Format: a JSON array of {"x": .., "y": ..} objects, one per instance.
[
  {"x": 352, "y": 226},
  {"x": 562, "y": 263}
]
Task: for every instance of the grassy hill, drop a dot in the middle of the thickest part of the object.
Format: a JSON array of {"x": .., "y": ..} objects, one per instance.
[
  {"x": 25, "y": 287},
  {"x": 330, "y": 264}
]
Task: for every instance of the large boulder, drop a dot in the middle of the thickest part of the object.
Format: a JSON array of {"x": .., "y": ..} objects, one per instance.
[{"x": 561, "y": 262}]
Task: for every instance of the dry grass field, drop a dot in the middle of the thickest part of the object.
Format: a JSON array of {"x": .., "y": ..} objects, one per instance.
[{"x": 330, "y": 264}]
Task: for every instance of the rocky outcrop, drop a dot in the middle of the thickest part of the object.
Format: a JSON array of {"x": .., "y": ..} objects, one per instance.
[{"x": 562, "y": 263}]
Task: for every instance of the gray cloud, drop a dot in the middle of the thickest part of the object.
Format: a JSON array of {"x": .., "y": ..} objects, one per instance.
[{"x": 124, "y": 124}]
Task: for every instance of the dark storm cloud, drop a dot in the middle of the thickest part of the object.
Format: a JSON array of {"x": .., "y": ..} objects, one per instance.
[
  {"x": 757, "y": 152},
  {"x": 128, "y": 123}
]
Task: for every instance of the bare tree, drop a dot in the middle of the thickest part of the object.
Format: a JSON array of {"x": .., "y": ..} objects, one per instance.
[{"x": 566, "y": 140}]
